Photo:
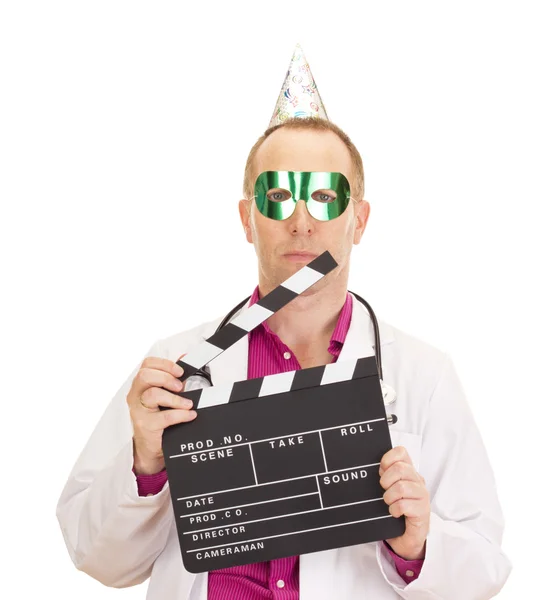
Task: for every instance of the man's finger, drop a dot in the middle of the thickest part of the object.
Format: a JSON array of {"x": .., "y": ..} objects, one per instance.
[
  {"x": 397, "y": 453},
  {"x": 398, "y": 471},
  {"x": 162, "y": 364},
  {"x": 407, "y": 506},
  {"x": 154, "y": 397},
  {"x": 147, "y": 377},
  {"x": 404, "y": 489},
  {"x": 165, "y": 418}
]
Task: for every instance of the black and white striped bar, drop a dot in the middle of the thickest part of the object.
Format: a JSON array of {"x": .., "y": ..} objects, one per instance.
[
  {"x": 289, "y": 381},
  {"x": 246, "y": 321}
]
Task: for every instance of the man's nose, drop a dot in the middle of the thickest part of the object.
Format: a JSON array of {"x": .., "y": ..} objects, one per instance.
[{"x": 301, "y": 219}]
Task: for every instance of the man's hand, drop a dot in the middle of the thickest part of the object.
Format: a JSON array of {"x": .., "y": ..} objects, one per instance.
[
  {"x": 144, "y": 398},
  {"x": 407, "y": 495}
]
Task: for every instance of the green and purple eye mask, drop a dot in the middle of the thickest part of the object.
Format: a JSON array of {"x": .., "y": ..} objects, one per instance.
[{"x": 277, "y": 192}]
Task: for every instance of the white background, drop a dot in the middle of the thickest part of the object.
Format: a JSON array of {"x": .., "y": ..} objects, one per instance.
[{"x": 124, "y": 128}]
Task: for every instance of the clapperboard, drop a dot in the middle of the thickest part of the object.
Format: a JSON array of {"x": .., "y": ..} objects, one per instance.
[{"x": 280, "y": 465}]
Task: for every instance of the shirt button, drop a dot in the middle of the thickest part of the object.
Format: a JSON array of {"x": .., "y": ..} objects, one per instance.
[
  {"x": 280, "y": 583},
  {"x": 149, "y": 494},
  {"x": 409, "y": 573},
  {"x": 287, "y": 356}
]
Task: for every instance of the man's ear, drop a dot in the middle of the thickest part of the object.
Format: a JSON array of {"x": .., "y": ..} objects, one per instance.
[
  {"x": 244, "y": 214},
  {"x": 362, "y": 211}
]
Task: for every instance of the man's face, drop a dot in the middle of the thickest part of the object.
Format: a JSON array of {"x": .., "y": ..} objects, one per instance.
[{"x": 277, "y": 243}]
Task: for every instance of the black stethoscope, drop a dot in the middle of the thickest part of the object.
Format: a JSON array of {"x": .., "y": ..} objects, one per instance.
[{"x": 388, "y": 392}]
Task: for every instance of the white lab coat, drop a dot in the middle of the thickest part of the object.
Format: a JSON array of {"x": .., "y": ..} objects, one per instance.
[{"x": 121, "y": 539}]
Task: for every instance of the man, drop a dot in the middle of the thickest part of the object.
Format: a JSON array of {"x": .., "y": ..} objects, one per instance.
[{"x": 115, "y": 511}]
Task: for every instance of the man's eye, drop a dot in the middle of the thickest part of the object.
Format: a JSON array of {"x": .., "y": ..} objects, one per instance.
[
  {"x": 324, "y": 196},
  {"x": 278, "y": 195}
]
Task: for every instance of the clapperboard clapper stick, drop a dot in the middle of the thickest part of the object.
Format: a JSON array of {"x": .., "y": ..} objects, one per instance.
[
  {"x": 245, "y": 322},
  {"x": 280, "y": 465}
]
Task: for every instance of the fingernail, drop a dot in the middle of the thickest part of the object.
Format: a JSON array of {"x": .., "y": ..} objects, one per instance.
[
  {"x": 187, "y": 403},
  {"x": 193, "y": 413},
  {"x": 178, "y": 385},
  {"x": 177, "y": 370}
]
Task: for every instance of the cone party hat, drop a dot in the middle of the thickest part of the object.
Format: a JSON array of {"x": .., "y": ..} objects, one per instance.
[{"x": 299, "y": 96}]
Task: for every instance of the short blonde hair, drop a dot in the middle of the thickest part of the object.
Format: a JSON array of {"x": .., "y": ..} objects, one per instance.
[{"x": 313, "y": 124}]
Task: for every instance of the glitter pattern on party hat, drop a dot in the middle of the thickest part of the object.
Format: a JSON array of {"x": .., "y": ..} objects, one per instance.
[{"x": 299, "y": 96}]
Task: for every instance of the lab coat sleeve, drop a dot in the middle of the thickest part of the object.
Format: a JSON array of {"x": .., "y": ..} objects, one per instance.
[
  {"x": 463, "y": 559},
  {"x": 111, "y": 532}
]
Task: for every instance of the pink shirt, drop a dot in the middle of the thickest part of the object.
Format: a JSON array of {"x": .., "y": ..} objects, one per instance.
[{"x": 277, "y": 579}]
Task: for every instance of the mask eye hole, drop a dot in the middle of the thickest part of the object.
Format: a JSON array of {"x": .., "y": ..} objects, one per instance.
[
  {"x": 278, "y": 195},
  {"x": 324, "y": 196}
]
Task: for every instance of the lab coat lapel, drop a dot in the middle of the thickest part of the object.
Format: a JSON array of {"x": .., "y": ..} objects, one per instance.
[
  {"x": 360, "y": 336},
  {"x": 359, "y": 340},
  {"x": 231, "y": 365}
]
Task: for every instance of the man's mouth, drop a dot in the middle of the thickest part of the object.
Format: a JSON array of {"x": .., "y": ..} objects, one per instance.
[{"x": 300, "y": 256}]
